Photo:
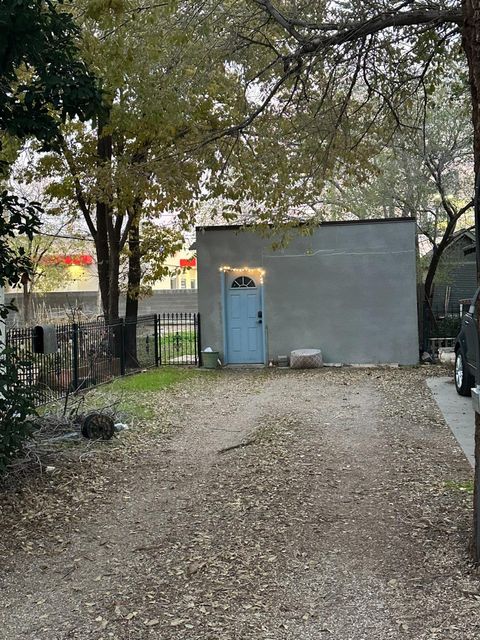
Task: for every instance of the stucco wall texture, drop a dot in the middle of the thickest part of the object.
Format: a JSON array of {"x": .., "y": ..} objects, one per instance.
[{"x": 348, "y": 289}]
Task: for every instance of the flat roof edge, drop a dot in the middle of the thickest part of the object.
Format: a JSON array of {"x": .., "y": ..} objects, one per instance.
[{"x": 330, "y": 223}]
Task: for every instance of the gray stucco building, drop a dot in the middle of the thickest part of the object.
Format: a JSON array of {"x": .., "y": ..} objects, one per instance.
[{"x": 348, "y": 288}]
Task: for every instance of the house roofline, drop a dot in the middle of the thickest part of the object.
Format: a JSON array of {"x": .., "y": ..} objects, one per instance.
[
  {"x": 330, "y": 223},
  {"x": 458, "y": 235},
  {"x": 463, "y": 233}
]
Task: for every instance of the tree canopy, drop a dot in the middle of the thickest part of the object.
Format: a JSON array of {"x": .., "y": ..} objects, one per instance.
[
  {"x": 162, "y": 95},
  {"x": 43, "y": 81},
  {"x": 43, "y": 78}
]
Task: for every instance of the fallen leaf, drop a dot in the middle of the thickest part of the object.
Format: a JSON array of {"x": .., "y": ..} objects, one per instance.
[
  {"x": 153, "y": 622},
  {"x": 177, "y": 622}
]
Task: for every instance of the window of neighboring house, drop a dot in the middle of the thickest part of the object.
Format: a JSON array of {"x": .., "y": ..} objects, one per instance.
[
  {"x": 183, "y": 283},
  {"x": 193, "y": 284}
]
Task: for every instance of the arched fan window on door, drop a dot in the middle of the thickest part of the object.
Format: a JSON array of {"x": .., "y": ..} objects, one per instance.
[{"x": 243, "y": 282}]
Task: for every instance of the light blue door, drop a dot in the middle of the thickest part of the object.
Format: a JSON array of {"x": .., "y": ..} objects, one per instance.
[{"x": 244, "y": 322}]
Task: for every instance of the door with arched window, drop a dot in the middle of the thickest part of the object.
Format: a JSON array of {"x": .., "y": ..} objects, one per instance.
[{"x": 244, "y": 322}]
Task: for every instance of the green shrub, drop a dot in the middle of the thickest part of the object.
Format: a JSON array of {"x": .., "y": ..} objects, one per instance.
[
  {"x": 447, "y": 327},
  {"x": 17, "y": 409}
]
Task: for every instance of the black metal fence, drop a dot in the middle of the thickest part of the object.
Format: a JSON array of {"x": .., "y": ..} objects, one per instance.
[
  {"x": 440, "y": 322},
  {"x": 179, "y": 338},
  {"x": 92, "y": 353}
]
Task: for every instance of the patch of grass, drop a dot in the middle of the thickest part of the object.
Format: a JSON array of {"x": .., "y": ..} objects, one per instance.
[
  {"x": 466, "y": 486},
  {"x": 133, "y": 396},
  {"x": 137, "y": 409},
  {"x": 177, "y": 346},
  {"x": 153, "y": 380}
]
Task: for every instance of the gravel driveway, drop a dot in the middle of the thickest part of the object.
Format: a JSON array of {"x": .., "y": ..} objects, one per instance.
[{"x": 260, "y": 504}]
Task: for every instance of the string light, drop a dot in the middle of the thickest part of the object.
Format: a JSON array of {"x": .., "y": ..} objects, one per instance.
[{"x": 225, "y": 268}]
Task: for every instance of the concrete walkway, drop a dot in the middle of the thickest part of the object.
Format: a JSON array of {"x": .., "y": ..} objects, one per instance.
[{"x": 458, "y": 413}]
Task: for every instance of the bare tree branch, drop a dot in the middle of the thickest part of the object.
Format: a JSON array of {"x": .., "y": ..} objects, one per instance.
[
  {"x": 79, "y": 193},
  {"x": 360, "y": 30}
]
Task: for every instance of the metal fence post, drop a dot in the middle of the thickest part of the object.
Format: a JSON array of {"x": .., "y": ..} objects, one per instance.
[
  {"x": 121, "y": 343},
  {"x": 75, "y": 357},
  {"x": 155, "y": 337},
  {"x": 199, "y": 341}
]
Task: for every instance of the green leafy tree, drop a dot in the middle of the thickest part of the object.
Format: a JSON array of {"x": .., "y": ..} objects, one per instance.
[
  {"x": 426, "y": 173},
  {"x": 144, "y": 156},
  {"x": 172, "y": 85},
  {"x": 42, "y": 82}
]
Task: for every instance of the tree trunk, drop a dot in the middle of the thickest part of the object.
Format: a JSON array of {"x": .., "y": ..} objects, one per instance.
[
  {"x": 436, "y": 257},
  {"x": 426, "y": 309},
  {"x": 27, "y": 299},
  {"x": 103, "y": 253},
  {"x": 134, "y": 271},
  {"x": 108, "y": 258},
  {"x": 114, "y": 285},
  {"x": 471, "y": 46},
  {"x": 107, "y": 242},
  {"x": 133, "y": 290}
]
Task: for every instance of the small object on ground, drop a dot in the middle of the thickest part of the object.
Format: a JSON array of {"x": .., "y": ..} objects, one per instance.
[
  {"x": 240, "y": 445},
  {"x": 210, "y": 359},
  {"x": 121, "y": 426},
  {"x": 446, "y": 355},
  {"x": 306, "y": 359},
  {"x": 98, "y": 426},
  {"x": 426, "y": 358},
  {"x": 72, "y": 435},
  {"x": 283, "y": 361}
]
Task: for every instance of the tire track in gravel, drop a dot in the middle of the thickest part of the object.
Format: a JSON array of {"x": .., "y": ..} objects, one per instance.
[{"x": 102, "y": 554}]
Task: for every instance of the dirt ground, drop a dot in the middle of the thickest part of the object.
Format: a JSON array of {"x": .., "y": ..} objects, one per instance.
[{"x": 342, "y": 516}]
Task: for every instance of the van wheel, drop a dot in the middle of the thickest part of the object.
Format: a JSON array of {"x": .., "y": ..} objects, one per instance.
[{"x": 464, "y": 380}]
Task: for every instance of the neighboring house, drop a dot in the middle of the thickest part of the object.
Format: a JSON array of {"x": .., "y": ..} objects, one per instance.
[
  {"x": 73, "y": 272},
  {"x": 456, "y": 277},
  {"x": 83, "y": 276},
  {"x": 348, "y": 289},
  {"x": 80, "y": 272},
  {"x": 183, "y": 272},
  {"x": 187, "y": 278},
  {"x": 74, "y": 289}
]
